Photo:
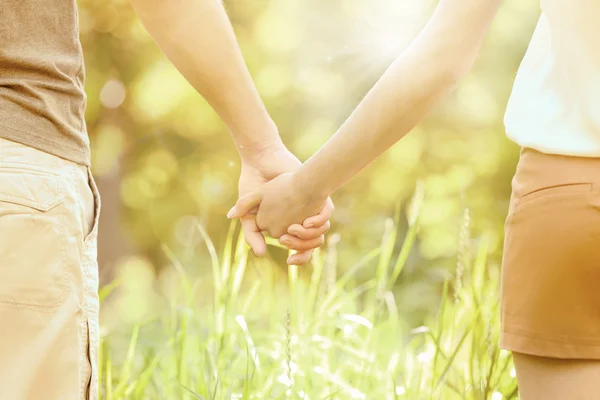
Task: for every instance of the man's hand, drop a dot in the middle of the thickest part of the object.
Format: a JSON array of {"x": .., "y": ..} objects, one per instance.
[
  {"x": 283, "y": 204},
  {"x": 260, "y": 165}
]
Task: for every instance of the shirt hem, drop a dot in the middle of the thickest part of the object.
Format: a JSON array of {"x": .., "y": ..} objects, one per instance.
[
  {"x": 574, "y": 348},
  {"x": 42, "y": 143}
]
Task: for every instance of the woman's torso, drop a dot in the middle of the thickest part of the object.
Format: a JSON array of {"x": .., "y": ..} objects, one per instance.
[{"x": 555, "y": 104}]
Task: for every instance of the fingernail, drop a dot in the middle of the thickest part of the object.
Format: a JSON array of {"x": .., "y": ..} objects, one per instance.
[
  {"x": 294, "y": 232},
  {"x": 231, "y": 212},
  {"x": 285, "y": 240},
  {"x": 310, "y": 225}
]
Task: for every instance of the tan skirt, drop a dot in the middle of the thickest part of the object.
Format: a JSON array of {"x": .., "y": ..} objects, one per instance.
[{"x": 551, "y": 265}]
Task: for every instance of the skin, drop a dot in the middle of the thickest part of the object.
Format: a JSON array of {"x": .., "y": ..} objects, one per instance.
[
  {"x": 198, "y": 39},
  {"x": 265, "y": 166},
  {"x": 556, "y": 379}
]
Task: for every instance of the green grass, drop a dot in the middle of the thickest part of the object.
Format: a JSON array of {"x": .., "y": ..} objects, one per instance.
[{"x": 323, "y": 337}]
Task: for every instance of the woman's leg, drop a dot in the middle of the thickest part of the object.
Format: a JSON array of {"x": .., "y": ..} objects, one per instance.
[{"x": 542, "y": 378}]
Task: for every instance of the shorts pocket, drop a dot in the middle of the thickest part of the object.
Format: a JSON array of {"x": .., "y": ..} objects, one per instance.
[
  {"x": 93, "y": 234},
  {"x": 555, "y": 190},
  {"x": 32, "y": 239}
]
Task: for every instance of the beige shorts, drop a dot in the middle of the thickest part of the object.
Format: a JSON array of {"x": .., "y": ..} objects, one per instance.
[
  {"x": 551, "y": 267},
  {"x": 48, "y": 277}
]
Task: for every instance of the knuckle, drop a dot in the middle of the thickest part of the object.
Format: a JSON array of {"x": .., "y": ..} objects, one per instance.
[{"x": 294, "y": 228}]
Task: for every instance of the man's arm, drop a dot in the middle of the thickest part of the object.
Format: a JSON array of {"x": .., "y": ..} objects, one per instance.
[
  {"x": 198, "y": 39},
  {"x": 425, "y": 73}
]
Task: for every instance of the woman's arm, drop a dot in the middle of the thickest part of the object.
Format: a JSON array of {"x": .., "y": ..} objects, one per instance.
[{"x": 425, "y": 73}]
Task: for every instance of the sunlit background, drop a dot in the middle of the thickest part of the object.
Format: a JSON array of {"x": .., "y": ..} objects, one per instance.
[{"x": 165, "y": 162}]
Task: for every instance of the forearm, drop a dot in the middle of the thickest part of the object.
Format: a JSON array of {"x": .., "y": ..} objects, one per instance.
[
  {"x": 425, "y": 73},
  {"x": 198, "y": 39}
]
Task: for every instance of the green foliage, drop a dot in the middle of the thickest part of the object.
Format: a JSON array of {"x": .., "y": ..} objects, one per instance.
[
  {"x": 315, "y": 338},
  {"x": 170, "y": 158}
]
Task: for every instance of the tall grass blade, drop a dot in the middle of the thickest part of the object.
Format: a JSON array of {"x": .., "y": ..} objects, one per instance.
[{"x": 190, "y": 391}]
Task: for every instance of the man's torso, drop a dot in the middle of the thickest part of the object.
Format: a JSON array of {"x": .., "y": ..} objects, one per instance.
[{"x": 42, "y": 98}]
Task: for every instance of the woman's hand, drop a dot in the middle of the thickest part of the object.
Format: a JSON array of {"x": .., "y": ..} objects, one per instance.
[
  {"x": 259, "y": 166},
  {"x": 283, "y": 202}
]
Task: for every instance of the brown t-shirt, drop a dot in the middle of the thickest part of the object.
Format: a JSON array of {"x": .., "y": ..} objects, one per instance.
[{"x": 42, "y": 99}]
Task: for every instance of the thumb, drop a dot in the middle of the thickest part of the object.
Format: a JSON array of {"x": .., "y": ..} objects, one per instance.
[{"x": 244, "y": 205}]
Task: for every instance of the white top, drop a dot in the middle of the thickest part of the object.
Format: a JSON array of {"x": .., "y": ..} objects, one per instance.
[{"x": 555, "y": 103}]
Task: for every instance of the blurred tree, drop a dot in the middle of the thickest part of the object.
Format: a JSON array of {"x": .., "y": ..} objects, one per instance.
[{"x": 163, "y": 157}]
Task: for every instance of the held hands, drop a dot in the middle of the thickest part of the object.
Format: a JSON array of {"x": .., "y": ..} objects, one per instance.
[{"x": 267, "y": 179}]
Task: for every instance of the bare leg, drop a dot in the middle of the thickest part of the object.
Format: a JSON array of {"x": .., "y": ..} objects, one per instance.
[{"x": 542, "y": 378}]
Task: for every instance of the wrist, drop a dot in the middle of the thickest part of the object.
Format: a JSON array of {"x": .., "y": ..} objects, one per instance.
[
  {"x": 310, "y": 187},
  {"x": 255, "y": 142}
]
